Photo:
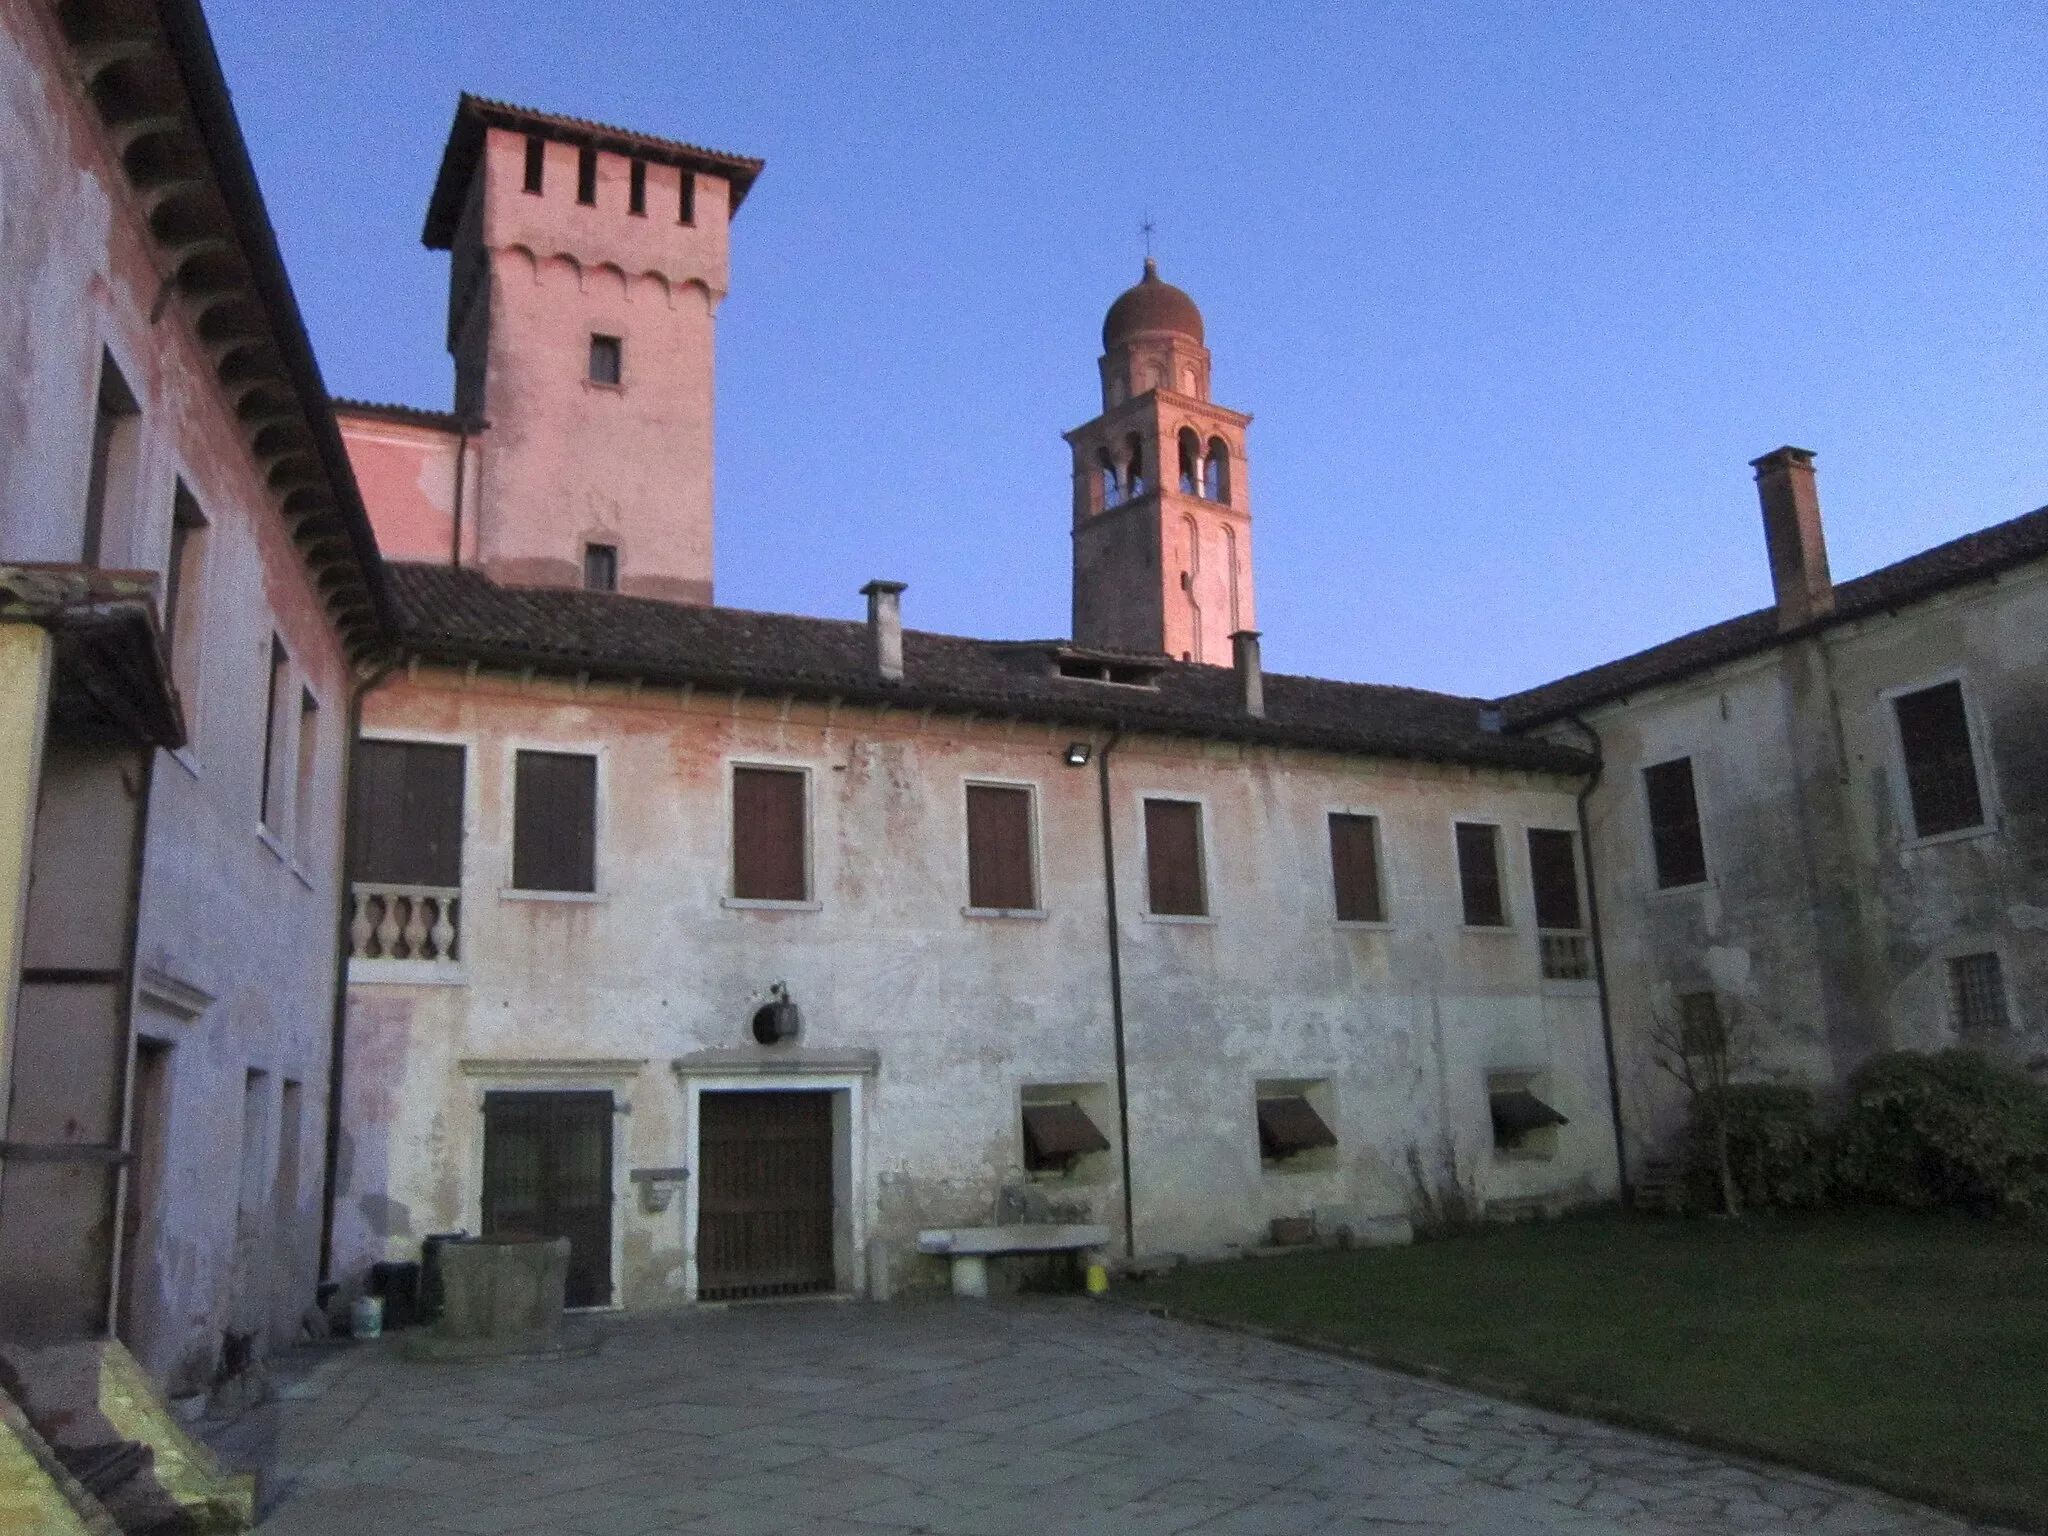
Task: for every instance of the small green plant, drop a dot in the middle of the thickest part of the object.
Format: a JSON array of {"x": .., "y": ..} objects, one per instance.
[
  {"x": 1778, "y": 1155},
  {"x": 1954, "y": 1131}
]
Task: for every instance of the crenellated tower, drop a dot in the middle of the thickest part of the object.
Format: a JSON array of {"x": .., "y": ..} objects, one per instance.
[
  {"x": 1162, "y": 520},
  {"x": 587, "y": 267}
]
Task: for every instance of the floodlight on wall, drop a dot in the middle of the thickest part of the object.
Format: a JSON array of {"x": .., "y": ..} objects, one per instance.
[
  {"x": 777, "y": 1019},
  {"x": 1077, "y": 754}
]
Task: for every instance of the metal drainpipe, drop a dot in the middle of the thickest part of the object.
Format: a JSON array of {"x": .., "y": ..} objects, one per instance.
[
  {"x": 1116, "y": 986},
  {"x": 461, "y": 464},
  {"x": 1600, "y": 961},
  {"x": 330, "y": 1174}
]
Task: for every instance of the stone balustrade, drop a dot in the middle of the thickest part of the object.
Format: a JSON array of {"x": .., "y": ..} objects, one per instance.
[
  {"x": 1566, "y": 956},
  {"x": 405, "y": 922}
]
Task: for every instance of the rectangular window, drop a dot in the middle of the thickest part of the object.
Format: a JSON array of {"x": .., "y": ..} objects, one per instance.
[
  {"x": 554, "y": 822},
  {"x": 270, "y": 806},
  {"x": 183, "y": 570},
  {"x": 1524, "y": 1125},
  {"x": 1056, "y": 1134},
  {"x": 586, "y": 175},
  {"x": 536, "y": 161},
  {"x": 636, "y": 189},
  {"x": 1479, "y": 874},
  {"x": 1941, "y": 770},
  {"x": 1681, "y": 857},
  {"x": 607, "y": 359},
  {"x": 601, "y": 567},
  {"x": 1289, "y": 1126},
  {"x": 405, "y": 814},
  {"x": 768, "y": 842},
  {"x": 1976, "y": 991},
  {"x": 116, "y": 429},
  {"x": 1355, "y": 868},
  {"x": 309, "y": 759},
  {"x": 1554, "y": 879},
  {"x": 1173, "y": 859},
  {"x": 999, "y": 874},
  {"x": 687, "y": 212}
]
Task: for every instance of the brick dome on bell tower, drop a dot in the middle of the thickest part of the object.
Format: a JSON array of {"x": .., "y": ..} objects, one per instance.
[{"x": 1162, "y": 529}]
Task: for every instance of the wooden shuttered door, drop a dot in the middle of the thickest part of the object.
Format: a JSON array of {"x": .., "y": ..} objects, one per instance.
[
  {"x": 1479, "y": 875},
  {"x": 768, "y": 834},
  {"x": 764, "y": 1201},
  {"x": 405, "y": 816},
  {"x": 554, "y": 822},
  {"x": 999, "y": 849},
  {"x": 1355, "y": 868},
  {"x": 548, "y": 1173},
  {"x": 1554, "y": 876},
  {"x": 1173, "y": 858}
]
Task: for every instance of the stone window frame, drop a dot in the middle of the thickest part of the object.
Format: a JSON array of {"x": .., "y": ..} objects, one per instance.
[
  {"x": 509, "y": 748},
  {"x": 1035, "y": 835},
  {"x": 1980, "y": 758},
  {"x": 1646, "y": 841},
  {"x": 726, "y": 764},
  {"x": 1205, "y": 849},
  {"x": 1381, "y": 844},
  {"x": 1506, "y": 865}
]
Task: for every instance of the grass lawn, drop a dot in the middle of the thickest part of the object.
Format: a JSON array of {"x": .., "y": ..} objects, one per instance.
[{"x": 1909, "y": 1352}]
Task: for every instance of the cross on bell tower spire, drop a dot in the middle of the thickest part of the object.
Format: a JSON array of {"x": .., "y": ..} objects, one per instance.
[{"x": 1162, "y": 529}]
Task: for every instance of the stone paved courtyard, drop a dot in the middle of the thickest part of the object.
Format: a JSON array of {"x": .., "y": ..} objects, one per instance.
[{"x": 1034, "y": 1416}]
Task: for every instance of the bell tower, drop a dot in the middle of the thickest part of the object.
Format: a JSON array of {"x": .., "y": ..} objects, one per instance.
[{"x": 1162, "y": 520}]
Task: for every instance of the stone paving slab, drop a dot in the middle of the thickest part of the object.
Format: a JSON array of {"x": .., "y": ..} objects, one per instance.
[{"x": 984, "y": 1419}]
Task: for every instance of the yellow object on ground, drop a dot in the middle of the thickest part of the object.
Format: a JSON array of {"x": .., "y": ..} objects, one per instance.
[
  {"x": 36, "y": 1493},
  {"x": 215, "y": 1500}
]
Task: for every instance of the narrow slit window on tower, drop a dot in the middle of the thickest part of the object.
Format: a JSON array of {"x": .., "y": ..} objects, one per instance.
[
  {"x": 536, "y": 162},
  {"x": 636, "y": 189},
  {"x": 687, "y": 208},
  {"x": 1479, "y": 874},
  {"x": 601, "y": 567},
  {"x": 607, "y": 359},
  {"x": 1190, "y": 467},
  {"x": 1134, "y": 457},
  {"x": 1112, "y": 486},
  {"x": 116, "y": 426},
  {"x": 586, "y": 174},
  {"x": 1216, "y": 472}
]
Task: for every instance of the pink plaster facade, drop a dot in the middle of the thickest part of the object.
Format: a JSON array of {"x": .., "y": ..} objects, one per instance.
[
  {"x": 229, "y": 993},
  {"x": 570, "y": 460},
  {"x": 421, "y": 477}
]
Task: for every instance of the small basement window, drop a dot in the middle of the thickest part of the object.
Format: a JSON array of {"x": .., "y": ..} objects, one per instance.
[
  {"x": 1523, "y": 1124},
  {"x": 1289, "y": 1126},
  {"x": 1056, "y": 1134},
  {"x": 1976, "y": 990}
]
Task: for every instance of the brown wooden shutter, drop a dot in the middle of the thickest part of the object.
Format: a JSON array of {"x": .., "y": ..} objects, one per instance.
[
  {"x": 405, "y": 814},
  {"x": 1554, "y": 874},
  {"x": 1941, "y": 771},
  {"x": 999, "y": 849},
  {"x": 768, "y": 834},
  {"x": 1173, "y": 858},
  {"x": 554, "y": 822},
  {"x": 1355, "y": 866},
  {"x": 1675, "y": 844},
  {"x": 1479, "y": 874}
]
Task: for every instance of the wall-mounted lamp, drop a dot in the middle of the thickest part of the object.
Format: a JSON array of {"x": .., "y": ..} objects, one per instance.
[
  {"x": 1076, "y": 754},
  {"x": 777, "y": 1019}
]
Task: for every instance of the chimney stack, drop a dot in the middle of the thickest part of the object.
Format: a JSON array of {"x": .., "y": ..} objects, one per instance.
[
  {"x": 1251, "y": 681},
  {"x": 1799, "y": 550},
  {"x": 885, "y": 627}
]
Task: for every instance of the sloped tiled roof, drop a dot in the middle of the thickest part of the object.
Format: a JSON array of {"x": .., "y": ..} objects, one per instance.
[
  {"x": 1974, "y": 557},
  {"x": 454, "y": 615},
  {"x": 405, "y": 415}
]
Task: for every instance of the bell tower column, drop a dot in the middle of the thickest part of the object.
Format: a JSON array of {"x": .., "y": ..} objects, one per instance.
[{"x": 1162, "y": 520}]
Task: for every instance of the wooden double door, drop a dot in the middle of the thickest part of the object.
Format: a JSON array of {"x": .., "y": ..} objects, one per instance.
[
  {"x": 548, "y": 1173},
  {"x": 764, "y": 1194}
]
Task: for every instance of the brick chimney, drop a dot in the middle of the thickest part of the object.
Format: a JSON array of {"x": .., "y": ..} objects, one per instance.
[
  {"x": 1799, "y": 550},
  {"x": 885, "y": 627},
  {"x": 1251, "y": 679}
]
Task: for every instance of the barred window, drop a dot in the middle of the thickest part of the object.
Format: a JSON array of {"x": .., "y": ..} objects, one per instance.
[{"x": 1976, "y": 989}]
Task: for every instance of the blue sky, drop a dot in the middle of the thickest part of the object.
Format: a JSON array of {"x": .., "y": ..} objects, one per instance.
[{"x": 1514, "y": 291}]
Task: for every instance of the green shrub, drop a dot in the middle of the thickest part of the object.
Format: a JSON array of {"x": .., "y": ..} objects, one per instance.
[
  {"x": 1777, "y": 1152},
  {"x": 1949, "y": 1132}
]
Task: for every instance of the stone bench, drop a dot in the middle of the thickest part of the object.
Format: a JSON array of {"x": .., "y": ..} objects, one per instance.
[{"x": 970, "y": 1248}]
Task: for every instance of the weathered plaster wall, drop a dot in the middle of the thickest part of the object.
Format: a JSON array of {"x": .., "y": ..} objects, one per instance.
[
  {"x": 1401, "y": 1023},
  {"x": 572, "y": 461},
  {"x": 237, "y": 927},
  {"x": 408, "y": 473},
  {"x": 1825, "y": 926}
]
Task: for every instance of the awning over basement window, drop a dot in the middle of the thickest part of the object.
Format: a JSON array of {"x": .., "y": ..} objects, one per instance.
[
  {"x": 1289, "y": 1125},
  {"x": 1054, "y": 1134},
  {"x": 1517, "y": 1111}
]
